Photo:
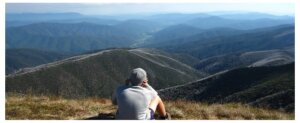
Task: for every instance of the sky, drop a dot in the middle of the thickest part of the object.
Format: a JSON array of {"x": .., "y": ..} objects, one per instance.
[{"x": 139, "y": 8}]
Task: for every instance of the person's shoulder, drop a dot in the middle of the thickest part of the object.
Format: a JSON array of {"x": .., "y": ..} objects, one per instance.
[
  {"x": 122, "y": 87},
  {"x": 146, "y": 90}
]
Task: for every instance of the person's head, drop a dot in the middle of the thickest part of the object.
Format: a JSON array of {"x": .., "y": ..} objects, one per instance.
[{"x": 138, "y": 76}]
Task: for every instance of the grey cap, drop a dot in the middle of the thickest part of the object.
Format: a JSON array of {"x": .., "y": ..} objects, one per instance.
[{"x": 137, "y": 76}]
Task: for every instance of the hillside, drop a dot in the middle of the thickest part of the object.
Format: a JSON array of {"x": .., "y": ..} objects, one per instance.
[
  {"x": 184, "y": 34},
  {"x": 98, "y": 73},
  {"x": 21, "y": 58},
  {"x": 68, "y": 37},
  {"x": 261, "y": 39},
  {"x": 171, "y": 33},
  {"x": 21, "y": 107},
  {"x": 268, "y": 87},
  {"x": 248, "y": 59}
]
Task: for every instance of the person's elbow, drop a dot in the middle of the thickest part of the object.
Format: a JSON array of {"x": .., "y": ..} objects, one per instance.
[{"x": 114, "y": 100}]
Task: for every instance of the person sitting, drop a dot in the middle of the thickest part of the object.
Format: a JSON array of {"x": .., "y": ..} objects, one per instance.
[{"x": 137, "y": 99}]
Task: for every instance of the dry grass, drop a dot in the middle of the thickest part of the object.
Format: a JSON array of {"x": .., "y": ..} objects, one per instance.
[
  {"x": 198, "y": 111},
  {"x": 42, "y": 107}
]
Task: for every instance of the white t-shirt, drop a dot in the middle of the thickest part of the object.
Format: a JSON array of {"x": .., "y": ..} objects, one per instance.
[{"x": 133, "y": 101}]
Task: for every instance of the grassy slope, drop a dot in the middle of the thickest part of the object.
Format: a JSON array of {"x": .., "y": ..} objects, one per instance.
[
  {"x": 99, "y": 75},
  {"x": 45, "y": 107},
  {"x": 271, "y": 87}
]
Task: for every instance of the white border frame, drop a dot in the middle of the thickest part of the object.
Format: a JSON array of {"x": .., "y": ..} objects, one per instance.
[{"x": 2, "y": 51}]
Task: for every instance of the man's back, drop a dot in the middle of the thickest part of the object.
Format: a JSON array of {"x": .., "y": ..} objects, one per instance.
[{"x": 133, "y": 101}]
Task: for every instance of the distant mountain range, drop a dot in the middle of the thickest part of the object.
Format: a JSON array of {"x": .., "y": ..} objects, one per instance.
[
  {"x": 98, "y": 73},
  {"x": 215, "y": 21},
  {"x": 21, "y": 19},
  {"x": 83, "y": 37},
  {"x": 250, "y": 16},
  {"x": 77, "y": 37},
  {"x": 267, "y": 87},
  {"x": 254, "y": 40},
  {"x": 74, "y": 38},
  {"x": 73, "y": 32}
]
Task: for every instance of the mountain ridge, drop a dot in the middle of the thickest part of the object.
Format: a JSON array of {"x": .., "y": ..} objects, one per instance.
[
  {"x": 97, "y": 74},
  {"x": 21, "y": 58},
  {"x": 245, "y": 59},
  {"x": 271, "y": 87},
  {"x": 245, "y": 42}
]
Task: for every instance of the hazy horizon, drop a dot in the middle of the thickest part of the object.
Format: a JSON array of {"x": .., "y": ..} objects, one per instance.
[{"x": 150, "y": 8}]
